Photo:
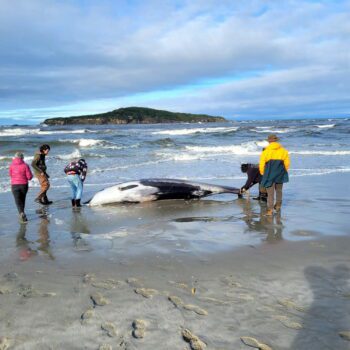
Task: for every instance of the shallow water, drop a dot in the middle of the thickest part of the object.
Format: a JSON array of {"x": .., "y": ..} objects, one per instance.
[
  {"x": 316, "y": 201},
  {"x": 202, "y": 152}
]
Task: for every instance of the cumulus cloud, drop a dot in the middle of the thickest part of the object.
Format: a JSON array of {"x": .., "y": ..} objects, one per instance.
[{"x": 251, "y": 58}]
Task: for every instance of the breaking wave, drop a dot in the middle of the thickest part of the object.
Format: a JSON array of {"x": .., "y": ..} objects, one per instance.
[
  {"x": 23, "y": 132},
  {"x": 269, "y": 130},
  {"x": 321, "y": 153},
  {"x": 196, "y": 131},
  {"x": 75, "y": 154},
  {"x": 326, "y": 126}
]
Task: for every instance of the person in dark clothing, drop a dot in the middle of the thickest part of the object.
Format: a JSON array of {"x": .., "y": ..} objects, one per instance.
[
  {"x": 39, "y": 167},
  {"x": 254, "y": 177},
  {"x": 20, "y": 174},
  {"x": 76, "y": 172}
]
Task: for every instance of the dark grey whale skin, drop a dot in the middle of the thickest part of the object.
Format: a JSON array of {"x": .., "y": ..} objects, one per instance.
[{"x": 178, "y": 189}]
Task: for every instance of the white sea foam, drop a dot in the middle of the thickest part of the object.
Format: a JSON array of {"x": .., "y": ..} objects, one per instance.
[
  {"x": 18, "y": 132},
  {"x": 75, "y": 154},
  {"x": 249, "y": 148},
  {"x": 318, "y": 172},
  {"x": 196, "y": 130},
  {"x": 267, "y": 130},
  {"x": 53, "y": 132},
  {"x": 23, "y": 132},
  {"x": 326, "y": 126},
  {"x": 321, "y": 153}
]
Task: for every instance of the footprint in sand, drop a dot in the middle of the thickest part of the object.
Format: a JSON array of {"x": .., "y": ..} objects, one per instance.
[
  {"x": 88, "y": 278},
  {"x": 103, "y": 285},
  {"x": 196, "y": 309},
  {"x": 4, "y": 343},
  {"x": 109, "y": 328},
  {"x": 290, "y": 304},
  {"x": 27, "y": 291},
  {"x": 105, "y": 347},
  {"x": 252, "y": 342},
  {"x": 195, "y": 342},
  {"x": 139, "y": 329},
  {"x": 5, "y": 290},
  {"x": 87, "y": 315},
  {"x": 146, "y": 292},
  {"x": 189, "y": 307},
  {"x": 345, "y": 335},
  {"x": 99, "y": 299},
  {"x": 134, "y": 282},
  {"x": 176, "y": 301},
  {"x": 287, "y": 322},
  {"x": 48, "y": 294}
]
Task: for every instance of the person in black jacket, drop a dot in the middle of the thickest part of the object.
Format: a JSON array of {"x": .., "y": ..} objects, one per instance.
[
  {"x": 39, "y": 167},
  {"x": 76, "y": 173},
  {"x": 254, "y": 177}
]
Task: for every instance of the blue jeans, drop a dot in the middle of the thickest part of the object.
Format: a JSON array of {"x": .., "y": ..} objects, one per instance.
[{"x": 77, "y": 186}]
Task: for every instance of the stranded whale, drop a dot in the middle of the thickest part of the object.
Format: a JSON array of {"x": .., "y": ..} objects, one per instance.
[{"x": 157, "y": 189}]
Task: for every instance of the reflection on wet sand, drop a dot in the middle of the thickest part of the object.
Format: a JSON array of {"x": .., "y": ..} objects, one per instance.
[
  {"x": 25, "y": 251},
  {"x": 27, "y": 248},
  {"x": 44, "y": 238},
  {"x": 272, "y": 226},
  {"x": 79, "y": 226}
]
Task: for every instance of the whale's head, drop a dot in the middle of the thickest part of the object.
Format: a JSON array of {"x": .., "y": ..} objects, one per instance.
[{"x": 132, "y": 192}]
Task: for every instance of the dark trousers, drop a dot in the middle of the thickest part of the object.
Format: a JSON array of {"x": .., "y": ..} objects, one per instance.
[{"x": 19, "y": 193}]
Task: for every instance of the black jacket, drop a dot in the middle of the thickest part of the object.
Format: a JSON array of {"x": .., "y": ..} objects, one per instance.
[{"x": 254, "y": 176}]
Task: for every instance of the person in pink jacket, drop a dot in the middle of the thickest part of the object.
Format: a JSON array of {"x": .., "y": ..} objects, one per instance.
[{"x": 20, "y": 174}]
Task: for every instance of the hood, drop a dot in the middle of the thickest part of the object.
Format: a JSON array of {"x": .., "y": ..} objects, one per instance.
[
  {"x": 17, "y": 161},
  {"x": 274, "y": 145}
]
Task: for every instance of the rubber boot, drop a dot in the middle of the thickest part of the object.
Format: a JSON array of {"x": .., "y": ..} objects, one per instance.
[
  {"x": 46, "y": 200},
  {"x": 73, "y": 203},
  {"x": 77, "y": 203},
  {"x": 23, "y": 218}
]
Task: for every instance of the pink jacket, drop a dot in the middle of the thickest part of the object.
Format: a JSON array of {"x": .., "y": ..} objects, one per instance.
[{"x": 19, "y": 172}]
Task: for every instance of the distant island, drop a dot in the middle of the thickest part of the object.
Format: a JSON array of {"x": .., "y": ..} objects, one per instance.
[{"x": 135, "y": 115}]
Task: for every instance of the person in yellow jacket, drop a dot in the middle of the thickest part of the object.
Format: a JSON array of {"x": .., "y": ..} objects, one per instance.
[{"x": 273, "y": 166}]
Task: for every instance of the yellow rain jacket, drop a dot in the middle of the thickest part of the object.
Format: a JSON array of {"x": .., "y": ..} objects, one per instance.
[{"x": 274, "y": 165}]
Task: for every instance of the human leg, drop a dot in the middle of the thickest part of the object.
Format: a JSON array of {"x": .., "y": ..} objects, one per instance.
[
  {"x": 270, "y": 199},
  {"x": 278, "y": 204},
  {"x": 270, "y": 196},
  {"x": 17, "y": 196},
  {"x": 79, "y": 184},
  {"x": 19, "y": 193},
  {"x": 73, "y": 187},
  {"x": 44, "y": 186},
  {"x": 79, "y": 191}
]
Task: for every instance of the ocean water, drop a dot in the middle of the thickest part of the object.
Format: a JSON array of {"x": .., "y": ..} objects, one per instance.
[
  {"x": 201, "y": 152},
  {"x": 316, "y": 201}
]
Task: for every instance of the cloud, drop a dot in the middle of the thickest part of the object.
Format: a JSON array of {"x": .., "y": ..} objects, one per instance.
[{"x": 250, "y": 58}]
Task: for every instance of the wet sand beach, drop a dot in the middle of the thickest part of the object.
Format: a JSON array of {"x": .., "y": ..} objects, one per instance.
[{"x": 213, "y": 274}]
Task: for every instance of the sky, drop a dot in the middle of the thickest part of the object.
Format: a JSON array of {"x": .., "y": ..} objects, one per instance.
[{"x": 237, "y": 59}]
